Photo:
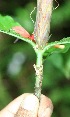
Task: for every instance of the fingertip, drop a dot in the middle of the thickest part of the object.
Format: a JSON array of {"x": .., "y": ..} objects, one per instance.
[
  {"x": 30, "y": 103},
  {"x": 28, "y": 107},
  {"x": 11, "y": 109},
  {"x": 46, "y": 107},
  {"x": 46, "y": 101}
]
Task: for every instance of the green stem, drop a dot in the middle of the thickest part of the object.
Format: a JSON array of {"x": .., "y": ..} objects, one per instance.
[
  {"x": 39, "y": 58},
  {"x": 39, "y": 74}
]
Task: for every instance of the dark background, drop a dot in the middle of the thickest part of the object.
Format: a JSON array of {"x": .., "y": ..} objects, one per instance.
[{"x": 16, "y": 60}]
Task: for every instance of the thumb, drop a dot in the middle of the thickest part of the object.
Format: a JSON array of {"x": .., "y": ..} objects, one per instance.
[
  {"x": 28, "y": 107},
  {"x": 46, "y": 107}
]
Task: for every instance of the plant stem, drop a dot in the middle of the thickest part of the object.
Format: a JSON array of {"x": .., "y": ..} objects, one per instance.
[
  {"x": 41, "y": 36},
  {"x": 39, "y": 74}
]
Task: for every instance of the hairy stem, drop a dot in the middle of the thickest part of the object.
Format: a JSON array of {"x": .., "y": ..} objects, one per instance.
[
  {"x": 41, "y": 36},
  {"x": 39, "y": 74}
]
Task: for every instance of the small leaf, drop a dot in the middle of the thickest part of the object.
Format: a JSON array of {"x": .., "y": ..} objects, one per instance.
[
  {"x": 7, "y": 24},
  {"x": 63, "y": 46}
]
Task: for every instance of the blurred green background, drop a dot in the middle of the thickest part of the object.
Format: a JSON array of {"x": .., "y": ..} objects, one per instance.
[{"x": 17, "y": 59}]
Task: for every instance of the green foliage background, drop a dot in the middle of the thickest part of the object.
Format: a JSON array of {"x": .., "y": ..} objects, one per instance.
[{"x": 17, "y": 59}]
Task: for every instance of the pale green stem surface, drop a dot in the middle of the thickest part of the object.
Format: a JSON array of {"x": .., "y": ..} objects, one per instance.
[{"x": 39, "y": 73}]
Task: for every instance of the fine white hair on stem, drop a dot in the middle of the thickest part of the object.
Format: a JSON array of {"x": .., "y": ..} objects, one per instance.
[
  {"x": 31, "y": 14},
  {"x": 16, "y": 40},
  {"x": 43, "y": 19},
  {"x": 57, "y": 4}
]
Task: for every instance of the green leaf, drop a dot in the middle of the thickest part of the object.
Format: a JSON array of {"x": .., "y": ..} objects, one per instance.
[
  {"x": 6, "y": 24},
  {"x": 50, "y": 48}
]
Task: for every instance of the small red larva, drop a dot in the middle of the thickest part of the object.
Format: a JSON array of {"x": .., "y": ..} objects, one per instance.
[{"x": 20, "y": 30}]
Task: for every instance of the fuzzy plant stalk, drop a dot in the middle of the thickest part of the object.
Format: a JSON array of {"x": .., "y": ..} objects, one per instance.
[
  {"x": 38, "y": 40},
  {"x": 41, "y": 35}
]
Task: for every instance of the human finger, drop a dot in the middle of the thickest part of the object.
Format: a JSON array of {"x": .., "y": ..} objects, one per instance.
[
  {"x": 28, "y": 107},
  {"x": 25, "y": 105},
  {"x": 11, "y": 109},
  {"x": 46, "y": 107}
]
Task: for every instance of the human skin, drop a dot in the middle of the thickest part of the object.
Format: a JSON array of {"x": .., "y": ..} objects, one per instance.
[{"x": 28, "y": 105}]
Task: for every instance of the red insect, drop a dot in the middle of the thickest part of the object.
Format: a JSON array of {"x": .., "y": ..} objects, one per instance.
[{"x": 20, "y": 30}]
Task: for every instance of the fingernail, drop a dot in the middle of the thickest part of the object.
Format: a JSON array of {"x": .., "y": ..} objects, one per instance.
[
  {"x": 30, "y": 103},
  {"x": 47, "y": 113}
]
